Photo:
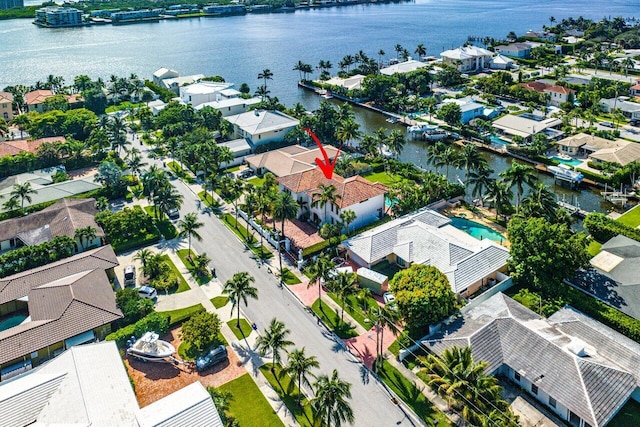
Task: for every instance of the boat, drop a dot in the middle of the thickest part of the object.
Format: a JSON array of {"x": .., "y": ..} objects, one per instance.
[
  {"x": 327, "y": 95},
  {"x": 150, "y": 348},
  {"x": 392, "y": 120},
  {"x": 563, "y": 156},
  {"x": 422, "y": 127},
  {"x": 386, "y": 151},
  {"x": 566, "y": 173}
]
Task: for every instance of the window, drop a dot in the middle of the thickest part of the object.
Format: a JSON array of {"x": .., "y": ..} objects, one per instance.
[
  {"x": 534, "y": 389},
  {"x": 516, "y": 376},
  {"x": 552, "y": 402},
  {"x": 400, "y": 261}
]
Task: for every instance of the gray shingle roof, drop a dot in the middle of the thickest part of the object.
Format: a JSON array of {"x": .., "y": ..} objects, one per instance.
[{"x": 503, "y": 332}]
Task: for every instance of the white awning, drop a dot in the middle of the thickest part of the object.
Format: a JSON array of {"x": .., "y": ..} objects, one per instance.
[{"x": 80, "y": 339}]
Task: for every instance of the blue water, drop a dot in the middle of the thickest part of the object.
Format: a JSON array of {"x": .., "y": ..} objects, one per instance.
[
  {"x": 477, "y": 230},
  {"x": 572, "y": 162},
  {"x": 11, "y": 321},
  {"x": 498, "y": 140}
]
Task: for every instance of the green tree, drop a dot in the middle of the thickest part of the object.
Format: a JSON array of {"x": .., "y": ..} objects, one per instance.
[
  {"x": 222, "y": 400},
  {"x": 189, "y": 227},
  {"x": 383, "y": 317},
  {"x": 543, "y": 254},
  {"x": 320, "y": 271},
  {"x": 325, "y": 195},
  {"x": 343, "y": 285},
  {"x": 330, "y": 405},
  {"x": 517, "y": 176},
  {"x": 451, "y": 114},
  {"x": 275, "y": 340},
  {"x": 238, "y": 289},
  {"x": 299, "y": 366},
  {"x": 470, "y": 159},
  {"x": 144, "y": 256},
  {"x": 396, "y": 142},
  {"x": 201, "y": 330},
  {"x": 133, "y": 307},
  {"x": 480, "y": 180},
  {"x": 22, "y": 192},
  {"x": 348, "y": 216},
  {"x": 423, "y": 296},
  {"x": 110, "y": 175},
  {"x": 284, "y": 207},
  {"x": 85, "y": 234}
]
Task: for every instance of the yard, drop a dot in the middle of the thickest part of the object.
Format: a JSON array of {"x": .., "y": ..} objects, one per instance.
[
  {"x": 383, "y": 178},
  {"x": 164, "y": 225},
  {"x": 249, "y": 406},
  {"x": 354, "y": 308},
  {"x": 245, "y": 328},
  {"x": 281, "y": 383},
  {"x": 201, "y": 278},
  {"x": 256, "y": 181},
  {"x": 631, "y": 217},
  {"x": 182, "y": 284}
]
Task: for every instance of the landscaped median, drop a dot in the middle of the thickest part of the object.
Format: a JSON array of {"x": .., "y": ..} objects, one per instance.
[
  {"x": 241, "y": 232},
  {"x": 200, "y": 275},
  {"x": 332, "y": 320}
]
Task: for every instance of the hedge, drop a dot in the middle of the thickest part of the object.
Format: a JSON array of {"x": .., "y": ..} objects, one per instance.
[
  {"x": 603, "y": 228},
  {"x": 315, "y": 248},
  {"x": 156, "y": 322},
  {"x": 595, "y": 176}
]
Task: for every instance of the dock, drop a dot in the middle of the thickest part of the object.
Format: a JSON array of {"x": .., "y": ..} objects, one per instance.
[{"x": 576, "y": 211}]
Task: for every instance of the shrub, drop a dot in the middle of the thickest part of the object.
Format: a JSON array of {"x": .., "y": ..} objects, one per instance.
[
  {"x": 603, "y": 228},
  {"x": 155, "y": 322},
  {"x": 133, "y": 307},
  {"x": 28, "y": 257},
  {"x": 315, "y": 248}
]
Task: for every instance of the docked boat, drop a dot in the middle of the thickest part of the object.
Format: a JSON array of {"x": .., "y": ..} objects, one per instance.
[
  {"x": 421, "y": 128},
  {"x": 150, "y": 348},
  {"x": 565, "y": 173},
  {"x": 327, "y": 95},
  {"x": 386, "y": 152}
]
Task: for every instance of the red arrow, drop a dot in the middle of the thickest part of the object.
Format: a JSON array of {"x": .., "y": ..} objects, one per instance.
[{"x": 327, "y": 166}]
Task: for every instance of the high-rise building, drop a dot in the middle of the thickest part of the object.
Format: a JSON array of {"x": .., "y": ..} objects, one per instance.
[
  {"x": 9, "y": 4},
  {"x": 52, "y": 16}
]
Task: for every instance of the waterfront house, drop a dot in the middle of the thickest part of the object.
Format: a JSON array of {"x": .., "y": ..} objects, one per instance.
[
  {"x": 240, "y": 149},
  {"x": 542, "y": 35},
  {"x": 469, "y": 109},
  {"x": 261, "y": 127},
  {"x": 163, "y": 73},
  {"x": 427, "y": 237},
  {"x": 403, "y": 67},
  {"x": 516, "y": 50},
  {"x": 17, "y": 146},
  {"x": 56, "y": 17},
  {"x": 62, "y": 218},
  {"x": 583, "y": 144},
  {"x": 55, "y": 307},
  {"x": 174, "y": 84},
  {"x": 467, "y": 58},
  {"x": 623, "y": 153},
  {"x": 289, "y": 160},
  {"x": 526, "y": 125},
  {"x": 357, "y": 194},
  {"x": 630, "y": 110},
  {"x": 199, "y": 93},
  {"x": 350, "y": 83},
  {"x": 136, "y": 15},
  {"x": 6, "y": 105},
  {"x": 501, "y": 62},
  {"x": 558, "y": 95},
  {"x": 230, "y": 106},
  {"x": 88, "y": 386},
  {"x": 35, "y": 99},
  {"x": 225, "y": 9},
  {"x": 581, "y": 370}
]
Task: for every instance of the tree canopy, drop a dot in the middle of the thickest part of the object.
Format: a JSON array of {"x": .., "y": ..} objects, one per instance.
[{"x": 201, "y": 330}]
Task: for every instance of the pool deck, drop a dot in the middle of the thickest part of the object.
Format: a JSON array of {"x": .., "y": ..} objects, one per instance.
[{"x": 481, "y": 216}]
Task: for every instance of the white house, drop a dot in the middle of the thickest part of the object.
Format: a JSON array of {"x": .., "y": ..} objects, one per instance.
[
  {"x": 174, "y": 84},
  {"x": 501, "y": 62},
  {"x": 403, "y": 67},
  {"x": 164, "y": 73},
  {"x": 467, "y": 58},
  {"x": 357, "y": 194},
  {"x": 230, "y": 106},
  {"x": 427, "y": 237},
  {"x": 261, "y": 126},
  {"x": 628, "y": 108},
  {"x": 240, "y": 149},
  {"x": 201, "y": 92},
  {"x": 516, "y": 50}
]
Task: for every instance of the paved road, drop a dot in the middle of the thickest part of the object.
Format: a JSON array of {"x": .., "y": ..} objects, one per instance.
[{"x": 371, "y": 404}]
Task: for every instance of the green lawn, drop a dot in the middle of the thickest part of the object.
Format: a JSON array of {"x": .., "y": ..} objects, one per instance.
[
  {"x": 187, "y": 352},
  {"x": 352, "y": 306},
  {"x": 183, "y": 286},
  {"x": 232, "y": 169},
  {"x": 256, "y": 181},
  {"x": 249, "y": 406},
  {"x": 628, "y": 416},
  {"x": 631, "y": 217},
  {"x": 207, "y": 200},
  {"x": 181, "y": 314},
  {"x": 125, "y": 105},
  {"x": 219, "y": 302},
  {"x": 594, "y": 248},
  {"x": 410, "y": 394},
  {"x": 164, "y": 225},
  {"x": 241, "y": 232},
  {"x": 245, "y": 328},
  {"x": 383, "y": 178},
  {"x": 200, "y": 278},
  {"x": 332, "y": 319},
  {"x": 289, "y": 278},
  {"x": 281, "y": 384}
]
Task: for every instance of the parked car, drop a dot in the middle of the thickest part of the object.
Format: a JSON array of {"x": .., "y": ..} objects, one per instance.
[
  {"x": 212, "y": 358},
  {"x": 173, "y": 213},
  {"x": 147, "y": 292},
  {"x": 388, "y": 297},
  {"x": 606, "y": 124},
  {"x": 246, "y": 173},
  {"x": 130, "y": 275}
]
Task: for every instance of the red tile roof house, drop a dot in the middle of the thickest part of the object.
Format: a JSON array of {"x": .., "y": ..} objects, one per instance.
[
  {"x": 36, "y": 98},
  {"x": 55, "y": 307},
  {"x": 17, "y": 146},
  {"x": 365, "y": 198},
  {"x": 558, "y": 94}
]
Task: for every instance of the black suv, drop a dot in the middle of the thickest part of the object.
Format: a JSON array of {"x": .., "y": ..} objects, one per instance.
[{"x": 212, "y": 358}]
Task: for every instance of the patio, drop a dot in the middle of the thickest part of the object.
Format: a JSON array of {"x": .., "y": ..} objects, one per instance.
[{"x": 301, "y": 234}]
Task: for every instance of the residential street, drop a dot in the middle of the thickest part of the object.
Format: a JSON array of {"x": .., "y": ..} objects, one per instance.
[{"x": 370, "y": 402}]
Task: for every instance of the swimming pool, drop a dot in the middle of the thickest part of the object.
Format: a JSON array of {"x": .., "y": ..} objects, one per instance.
[
  {"x": 572, "y": 162},
  {"x": 477, "y": 230},
  {"x": 388, "y": 202},
  {"x": 497, "y": 140},
  {"x": 11, "y": 321}
]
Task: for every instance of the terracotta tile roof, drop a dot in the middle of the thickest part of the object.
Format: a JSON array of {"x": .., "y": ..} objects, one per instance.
[
  {"x": 537, "y": 86},
  {"x": 11, "y": 148},
  {"x": 635, "y": 87},
  {"x": 290, "y": 160},
  {"x": 62, "y": 218},
  {"x": 37, "y": 96},
  {"x": 559, "y": 89},
  {"x": 6, "y": 97},
  {"x": 351, "y": 190}
]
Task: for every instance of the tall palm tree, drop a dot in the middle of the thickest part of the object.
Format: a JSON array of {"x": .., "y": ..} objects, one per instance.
[
  {"x": 263, "y": 207},
  {"x": 384, "y": 317},
  {"x": 326, "y": 194},
  {"x": 540, "y": 202},
  {"x": 344, "y": 285},
  {"x": 347, "y": 130},
  {"x": 348, "y": 216},
  {"x": 449, "y": 157},
  {"x": 517, "y": 176},
  {"x": 499, "y": 195},
  {"x": 265, "y": 75},
  {"x": 330, "y": 405},
  {"x": 166, "y": 198},
  {"x": 83, "y": 234},
  {"x": 275, "y": 340},
  {"x": 249, "y": 205},
  {"x": 189, "y": 228},
  {"x": 469, "y": 158},
  {"x": 480, "y": 179},
  {"x": 380, "y": 55},
  {"x": 284, "y": 207},
  {"x": 399, "y": 49},
  {"x": 239, "y": 288},
  {"x": 23, "y": 192},
  {"x": 299, "y": 366},
  {"x": 320, "y": 271},
  {"x": 420, "y": 51},
  {"x": 144, "y": 256},
  {"x": 433, "y": 154},
  {"x": 396, "y": 142}
]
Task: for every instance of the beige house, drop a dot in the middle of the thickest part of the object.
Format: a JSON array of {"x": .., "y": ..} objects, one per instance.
[
  {"x": 583, "y": 144},
  {"x": 526, "y": 126},
  {"x": 6, "y": 106},
  {"x": 35, "y": 100},
  {"x": 288, "y": 160},
  {"x": 55, "y": 307},
  {"x": 261, "y": 127},
  {"x": 467, "y": 58}
]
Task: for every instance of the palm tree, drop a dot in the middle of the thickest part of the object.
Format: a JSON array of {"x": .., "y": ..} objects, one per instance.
[
  {"x": 344, "y": 285},
  {"x": 396, "y": 142},
  {"x": 235, "y": 191},
  {"x": 330, "y": 405},
  {"x": 398, "y": 48},
  {"x": 166, "y": 198},
  {"x": 22, "y": 192},
  {"x": 188, "y": 228},
  {"x": 10, "y": 205},
  {"x": 144, "y": 256},
  {"x": 249, "y": 205},
  {"x": 480, "y": 179},
  {"x": 284, "y": 207},
  {"x": 470, "y": 158},
  {"x": 265, "y": 75},
  {"x": 449, "y": 157},
  {"x": 348, "y": 216},
  {"x": 384, "y": 317},
  {"x": 627, "y": 63},
  {"x": 274, "y": 339},
  {"x": 347, "y": 130},
  {"x": 517, "y": 176},
  {"x": 239, "y": 288},
  {"x": 325, "y": 194},
  {"x": 87, "y": 233},
  {"x": 499, "y": 195},
  {"x": 320, "y": 270},
  {"x": 299, "y": 366},
  {"x": 380, "y": 55},
  {"x": 540, "y": 202},
  {"x": 263, "y": 207},
  {"x": 420, "y": 51}
]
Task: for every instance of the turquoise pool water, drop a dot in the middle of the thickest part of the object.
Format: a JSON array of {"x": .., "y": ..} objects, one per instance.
[
  {"x": 10, "y": 322},
  {"x": 498, "y": 140},
  {"x": 477, "y": 230},
  {"x": 388, "y": 202},
  {"x": 572, "y": 162}
]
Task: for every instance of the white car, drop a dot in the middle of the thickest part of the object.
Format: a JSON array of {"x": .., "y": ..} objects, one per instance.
[
  {"x": 388, "y": 297},
  {"x": 147, "y": 292}
]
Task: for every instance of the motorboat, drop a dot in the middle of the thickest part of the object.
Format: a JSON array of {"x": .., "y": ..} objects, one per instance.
[
  {"x": 150, "y": 348},
  {"x": 563, "y": 156},
  {"x": 422, "y": 127},
  {"x": 565, "y": 173},
  {"x": 386, "y": 152}
]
